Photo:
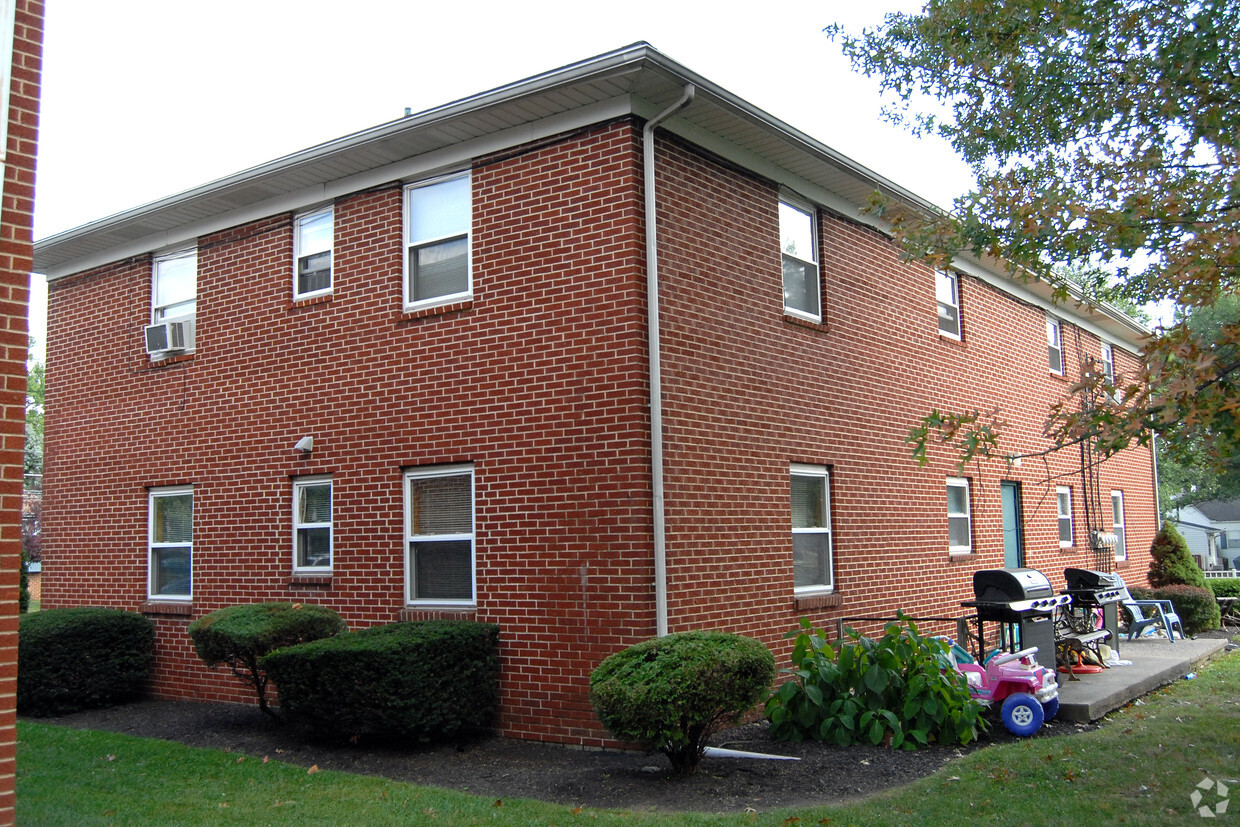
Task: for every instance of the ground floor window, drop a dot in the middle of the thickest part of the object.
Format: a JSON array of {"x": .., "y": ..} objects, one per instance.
[
  {"x": 171, "y": 543},
  {"x": 439, "y": 532},
  {"x": 811, "y": 528},
  {"x": 959, "y": 518},
  {"x": 1063, "y": 507},
  {"x": 1117, "y": 525},
  {"x": 312, "y": 524}
]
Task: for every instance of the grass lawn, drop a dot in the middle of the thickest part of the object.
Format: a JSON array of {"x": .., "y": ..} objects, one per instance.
[{"x": 1140, "y": 768}]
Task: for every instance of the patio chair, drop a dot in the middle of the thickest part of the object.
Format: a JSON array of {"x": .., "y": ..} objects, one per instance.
[{"x": 1147, "y": 613}]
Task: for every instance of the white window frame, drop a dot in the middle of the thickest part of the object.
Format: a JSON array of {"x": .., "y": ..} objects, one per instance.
[
  {"x": 967, "y": 515},
  {"x": 159, "y": 312},
  {"x": 1063, "y": 512},
  {"x": 410, "y": 304},
  {"x": 299, "y": 251},
  {"x": 1054, "y": 344},
  {"x": 1118, "y": 527},
  {"x": 1108, "y": 362},
  {"x": 153, "y": 548},
  {"x": 952, "y": 279},
  {"x": 823, "y": 473},
  {"x": 435, "y": 472},
  {"x": 299, "y": 485},
  {"x": 811, "y": 213}
]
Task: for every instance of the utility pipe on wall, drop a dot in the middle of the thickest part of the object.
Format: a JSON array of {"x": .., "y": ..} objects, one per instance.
[{"x": 656, "y": 378}]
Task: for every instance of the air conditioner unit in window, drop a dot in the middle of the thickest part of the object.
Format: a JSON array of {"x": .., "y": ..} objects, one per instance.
[{"x": 170, "y": 336}]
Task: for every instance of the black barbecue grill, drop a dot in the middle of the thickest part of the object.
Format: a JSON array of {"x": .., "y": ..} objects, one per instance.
[
  {"x": 1091, "y": 590},
  {"x": 1024, "y": 602}
]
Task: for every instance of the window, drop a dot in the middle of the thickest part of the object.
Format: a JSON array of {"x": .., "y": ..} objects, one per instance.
[
  {"x": 1063, "y": 508},
  {"x": 439, "y": 528},
  {"x": 959, "y": 523},
  {"x": 1117, "y": 525},
  {"x": 437, "y": 219},
  {"x": 312, "y": 524},
  {"x": 312, "y": 254},
  {"x": 1108, "y": 363},
  {"x": 171, "y": 543},
  {"x": 174, "y": 285},
  {"x": 947, "y": 290},
  {"x": 799, "y": 248},
  {"x": 1053, "y": 346},
  {"x": 811, "y": 528}
]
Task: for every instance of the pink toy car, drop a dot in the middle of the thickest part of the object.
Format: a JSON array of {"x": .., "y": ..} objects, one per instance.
[{"x": 1029, "y": 692}]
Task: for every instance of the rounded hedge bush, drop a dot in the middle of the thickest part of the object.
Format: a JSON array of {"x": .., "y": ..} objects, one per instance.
[
  {"x": 239, "y": 636},
  {"x": 1197, "y": 608},
  {"x": 418, "y": 681},
  {"x": 671, "y": 693},
  {"x": 82, "y": 658}
]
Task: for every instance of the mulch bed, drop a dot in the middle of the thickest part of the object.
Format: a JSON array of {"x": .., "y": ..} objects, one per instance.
[{"x": 504, "y": 768}]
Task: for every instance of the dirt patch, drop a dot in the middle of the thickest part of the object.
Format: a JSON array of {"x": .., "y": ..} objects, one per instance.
[{"x": 504, "y": 768}]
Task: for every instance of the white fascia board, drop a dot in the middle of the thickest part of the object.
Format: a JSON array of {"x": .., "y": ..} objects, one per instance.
[{"x": 456, "y": 156}]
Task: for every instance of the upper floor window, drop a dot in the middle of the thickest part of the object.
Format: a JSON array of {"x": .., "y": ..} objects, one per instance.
[
  {"x": 312, "y": 524},
  {"x": 959, "y": 521},
  {"x": 1117, "y": 525},
  {"x": 1108, "y": 363},
  {"x": 1054, "y": 346},
  {"x": 437, "y": 223},
  {"x": 174, "y": 285},
  {"x": 439, "y": 529},
  {"x": 947, "y": 290},
  {"x": 312, "y": 253},
  {"x": 798, "y": 246},
  {"x": 170, "y": 546},
  {"x": 1063, "y": 509},
  {"x": 811, "y": 528}
]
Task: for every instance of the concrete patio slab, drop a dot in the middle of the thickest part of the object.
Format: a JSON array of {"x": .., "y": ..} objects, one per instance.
[{"x": 1155, "y": 663}]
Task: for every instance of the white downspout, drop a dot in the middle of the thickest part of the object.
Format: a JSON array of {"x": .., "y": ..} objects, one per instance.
[{"x": 656, "y": 378}]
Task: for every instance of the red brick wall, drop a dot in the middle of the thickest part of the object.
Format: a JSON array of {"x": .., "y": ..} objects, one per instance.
[
  {"x": 15, "y": 263},
  {"x": 750, "y": 391},
  {"x": 540, "y": 381}
]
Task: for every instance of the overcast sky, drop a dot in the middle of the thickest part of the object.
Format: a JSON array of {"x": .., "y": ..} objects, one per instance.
[{"x": 146, "y": 98}]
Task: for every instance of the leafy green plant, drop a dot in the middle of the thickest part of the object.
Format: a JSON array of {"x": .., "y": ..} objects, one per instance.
[
  {"x": 239, "y": 636},
  {"x": 81, "y": 658},
  {"x": 671, "y": 693},
  {"x": 900, "y": 689},
  {"x": 1224, "y": 586},
  {"x": 423, "y": 680},
  {"x": 1197, "y": 608},
  {"x": 1171, "y": 563}
]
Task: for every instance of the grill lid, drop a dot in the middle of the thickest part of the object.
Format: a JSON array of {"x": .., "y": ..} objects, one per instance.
[
  {"x": 1090, "y": 579},
  {"x": 1009, "y": 585}
]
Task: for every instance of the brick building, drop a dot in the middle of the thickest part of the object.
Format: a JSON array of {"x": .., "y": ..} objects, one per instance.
[
  {"x": 21, "y": 55},
  {"x": 408, "y": 374}
]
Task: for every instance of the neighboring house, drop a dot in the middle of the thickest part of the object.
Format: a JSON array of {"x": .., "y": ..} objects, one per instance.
[
  {"x": 407, "y": 374},
  {"x": 1212, "y": 530}
]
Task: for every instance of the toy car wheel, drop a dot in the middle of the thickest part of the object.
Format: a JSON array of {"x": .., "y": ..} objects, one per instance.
[
  {"x": 1022, "y": 714},
  {"x": 1050, "y": 709}
]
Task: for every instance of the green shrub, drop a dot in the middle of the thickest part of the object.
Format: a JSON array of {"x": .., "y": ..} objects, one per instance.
[
  {"x": 900, "y": 688},
  {"x": 671, "y": 693},
  {"x": 239, "y": 636},
  {"x": 1224, "y": 586},
  {"x": 84, "y": 658},
  {"x": 1196, "y": 607},
  {"x": 1171, "y": 563},
  {"x": 419, "y": 681}
]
